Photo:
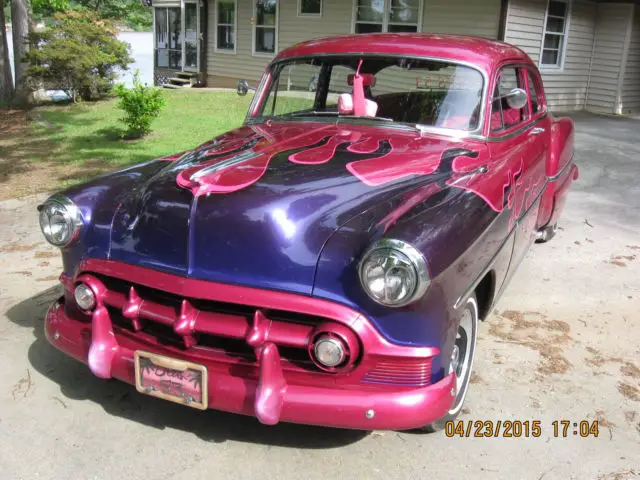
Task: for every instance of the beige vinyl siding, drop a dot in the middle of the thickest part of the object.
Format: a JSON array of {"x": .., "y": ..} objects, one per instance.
[
  {"x": 471, "y": 17},
  {"x": 525, "y": 24},
  {"x": 241, "y": 64},
  {"x": 606, "y": 63},
  {"x": 468, "y": 17},
  {"x": 335, "y": 20},
  {"x": 565, "y": 87},
  {"x": 631, "y": 86}
]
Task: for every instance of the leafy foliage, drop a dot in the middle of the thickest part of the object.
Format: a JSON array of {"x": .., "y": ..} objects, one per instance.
[
  {"x": 141, "y": 105},
  {"x": 48, "y": 7},
  {"x": 129, "y": 12},
  {"x": 78, "y": 54}
]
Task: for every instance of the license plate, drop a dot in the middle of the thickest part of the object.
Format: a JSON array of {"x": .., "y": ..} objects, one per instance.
[{"x": 171, "y": 379}]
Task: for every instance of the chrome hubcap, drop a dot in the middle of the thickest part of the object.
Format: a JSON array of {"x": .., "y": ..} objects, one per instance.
[
  {"x": 455, "y": 357},
  {"x": 462, "y": 354}
]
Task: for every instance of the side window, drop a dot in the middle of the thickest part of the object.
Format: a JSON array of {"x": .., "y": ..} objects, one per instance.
[
  {"x": 295, "y": 90},
  {"x": 536, "y": 104},
  {"x": 503, "y": 117}
]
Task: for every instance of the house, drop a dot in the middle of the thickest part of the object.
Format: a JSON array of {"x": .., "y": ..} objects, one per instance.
[{"x": 588, "y": 51}]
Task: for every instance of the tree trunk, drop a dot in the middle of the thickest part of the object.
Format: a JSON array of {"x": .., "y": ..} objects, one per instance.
[
  {"x": 6, "y": 81},
  {"x": 20, "y": 19}
]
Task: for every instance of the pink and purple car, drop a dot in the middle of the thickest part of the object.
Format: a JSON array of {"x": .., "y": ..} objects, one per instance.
[{"x": 327, "y": 262}]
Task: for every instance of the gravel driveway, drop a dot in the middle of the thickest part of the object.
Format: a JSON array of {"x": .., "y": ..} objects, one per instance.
[{"x": 563, "y": 344}]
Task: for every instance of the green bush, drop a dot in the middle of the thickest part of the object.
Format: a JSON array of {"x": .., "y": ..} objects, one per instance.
[
  {"x": 78, "y": 54},
  {"x": 141, "y": 105}
]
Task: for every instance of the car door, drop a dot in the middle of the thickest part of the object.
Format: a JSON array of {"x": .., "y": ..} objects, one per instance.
[{"x": 518, "y": 141}]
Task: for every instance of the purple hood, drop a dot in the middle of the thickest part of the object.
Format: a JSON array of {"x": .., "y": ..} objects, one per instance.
[{"x": 306, "y": 180}]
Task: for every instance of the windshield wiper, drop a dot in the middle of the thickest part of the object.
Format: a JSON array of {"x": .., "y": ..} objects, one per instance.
[
  {"x": 309, "y": 114},
  {"x": 359, "y": 117},
  {"x": 392, "y": 123}
]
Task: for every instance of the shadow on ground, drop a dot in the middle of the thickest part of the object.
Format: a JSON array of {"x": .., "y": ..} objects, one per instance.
[{"x": 122, "y": 400}]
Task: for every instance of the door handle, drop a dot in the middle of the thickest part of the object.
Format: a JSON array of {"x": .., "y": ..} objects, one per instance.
[{"x": 536, "y": 131}]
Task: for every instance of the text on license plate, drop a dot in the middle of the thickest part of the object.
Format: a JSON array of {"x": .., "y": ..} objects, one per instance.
[{"x": 171, "y": 379}]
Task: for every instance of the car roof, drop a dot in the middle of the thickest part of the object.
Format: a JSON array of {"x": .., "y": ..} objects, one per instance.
[{"x": 481, "y": 52}]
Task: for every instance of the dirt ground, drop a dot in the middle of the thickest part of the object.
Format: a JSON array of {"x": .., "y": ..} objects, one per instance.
[{"x": 563, "y": 344}]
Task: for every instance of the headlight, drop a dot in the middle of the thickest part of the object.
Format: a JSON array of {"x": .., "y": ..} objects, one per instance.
[
  {"x": 393, "y": 273},
  {"x": 84, "y": 296},
  {"x": 60, "y": 220}
]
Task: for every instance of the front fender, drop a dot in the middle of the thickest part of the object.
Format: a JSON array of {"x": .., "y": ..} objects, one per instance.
[
  {"x": 456, "y": 231},
  {"x": 98, "y": 200}
]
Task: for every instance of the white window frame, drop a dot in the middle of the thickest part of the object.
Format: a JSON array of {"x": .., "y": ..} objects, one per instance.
[
  {"x": 256, "y": 26},
  {"x": 559, "y": 67},
  {"x": 234, "y": 25},
  {"x": 385, "y": 18},
  {"x": 312, "y": 15},
  {"x": 167, "y": 6}
]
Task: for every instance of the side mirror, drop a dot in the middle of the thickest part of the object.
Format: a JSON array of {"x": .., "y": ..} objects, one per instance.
[
  {"x": 517, "y": 98},
  {"x": 243, "y": 88}
]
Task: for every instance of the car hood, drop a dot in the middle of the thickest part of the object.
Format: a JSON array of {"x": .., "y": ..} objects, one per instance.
[{"x": 256, "y": 205}]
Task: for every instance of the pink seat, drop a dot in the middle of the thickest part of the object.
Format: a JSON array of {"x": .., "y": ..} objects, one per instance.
[
  {"x": 346, "y": 107},
  {"x": 458, "y": 121},
  {"x": 345, "y": 104}
]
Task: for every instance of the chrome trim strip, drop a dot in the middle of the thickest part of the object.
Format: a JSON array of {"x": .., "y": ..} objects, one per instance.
[
  {"x": 515, "y": 133},
  {"x": 474, "y": 134},
  {"x": 230, "y": 162},
  {"x": 462, "y": 298},
  {"x": 555, "y": 177}
]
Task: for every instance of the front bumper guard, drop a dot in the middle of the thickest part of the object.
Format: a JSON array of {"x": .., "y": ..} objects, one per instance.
[{"x": 269, "y": 398}]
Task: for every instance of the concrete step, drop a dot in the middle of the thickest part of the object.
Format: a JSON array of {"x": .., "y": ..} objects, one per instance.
[
  {"x": 170, "y": 86},
  {"x": 180, "y": 81},
  {"x": 186, "y": 75}
]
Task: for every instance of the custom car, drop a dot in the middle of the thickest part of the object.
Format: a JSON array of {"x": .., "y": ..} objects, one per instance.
[{"x": 328, "y": 261}]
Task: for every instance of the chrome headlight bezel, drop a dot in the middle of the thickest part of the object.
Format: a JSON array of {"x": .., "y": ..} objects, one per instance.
[
  {"x": 412, "y": 259},
  {"x": 60, "y": 205}
]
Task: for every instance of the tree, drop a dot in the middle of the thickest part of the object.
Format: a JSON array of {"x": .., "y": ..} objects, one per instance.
[
  {"x": 6, "y": 80},
  {"x": 79, "y": 54},
  {"x": 20, "y": 18}
]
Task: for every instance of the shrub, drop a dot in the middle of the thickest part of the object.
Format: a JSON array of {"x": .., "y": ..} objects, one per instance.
[
  {"x": 141, "y": 105},
  {"x": 78, "y": 54}
]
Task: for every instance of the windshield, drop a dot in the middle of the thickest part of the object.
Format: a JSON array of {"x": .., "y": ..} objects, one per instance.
[{"x": 399, "y": 89}]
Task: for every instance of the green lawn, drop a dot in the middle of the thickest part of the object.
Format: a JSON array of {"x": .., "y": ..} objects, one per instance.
[
  {"x": 93, "y": 132},
  {"x": 66, "y": 144}
]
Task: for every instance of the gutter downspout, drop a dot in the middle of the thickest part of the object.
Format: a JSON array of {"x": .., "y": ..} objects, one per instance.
[
  {"x": 593, "y": 50},
  {"x": 623, "y": 63},
  {"x": 502, "y": 25}
]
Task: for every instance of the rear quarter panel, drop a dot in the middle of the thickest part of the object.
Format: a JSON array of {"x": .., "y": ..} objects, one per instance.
[{"x": 560, "y": 171}]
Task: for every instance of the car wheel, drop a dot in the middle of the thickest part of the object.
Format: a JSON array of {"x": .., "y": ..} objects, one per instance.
[
  {"x": 461, "y": 361},
  {"x": 546, "y": 233}
]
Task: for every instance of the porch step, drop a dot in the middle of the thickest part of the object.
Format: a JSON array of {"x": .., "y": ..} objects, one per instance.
[
  {"x": 180, "y": 81},
  {"x": 186, "y": 75},
  {"x": 170, "y": 86}
]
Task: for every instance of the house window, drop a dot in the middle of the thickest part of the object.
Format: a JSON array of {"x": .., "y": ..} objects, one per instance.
[
  {"x": 226, "y": 25},
  {"x": 168, "y": 33},
  {"x": 265, "y": 28},
  {"x": 387, "y": 16},
  {"x": 534, "y": 98},
  {"x": 309, "y": 7},
  {"x": 555, "y": 34}
]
